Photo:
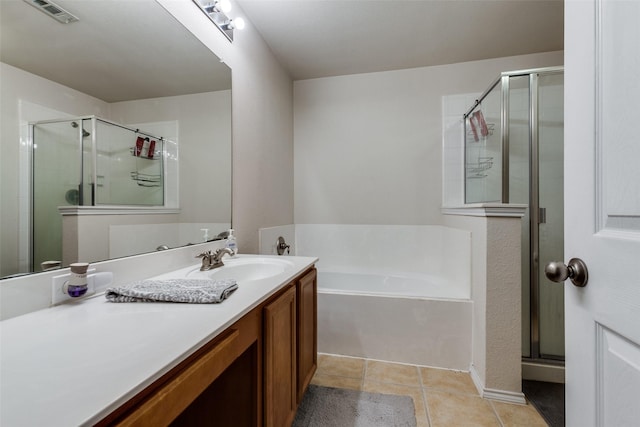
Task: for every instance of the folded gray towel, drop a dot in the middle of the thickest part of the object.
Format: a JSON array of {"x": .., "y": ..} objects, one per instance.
[{"x": 198, "y": 291}]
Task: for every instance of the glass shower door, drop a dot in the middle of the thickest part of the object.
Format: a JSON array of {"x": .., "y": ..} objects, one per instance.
[{"x": 551, "y": 223}]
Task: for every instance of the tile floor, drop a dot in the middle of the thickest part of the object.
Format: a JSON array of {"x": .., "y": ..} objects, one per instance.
[{"x": 441, "y": 397}]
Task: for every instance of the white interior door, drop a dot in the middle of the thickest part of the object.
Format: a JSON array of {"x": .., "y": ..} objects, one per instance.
[{"x": 602, "y": 211}]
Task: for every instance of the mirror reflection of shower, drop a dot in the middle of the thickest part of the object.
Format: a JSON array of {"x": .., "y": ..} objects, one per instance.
[{"x": 88, "y": 161}]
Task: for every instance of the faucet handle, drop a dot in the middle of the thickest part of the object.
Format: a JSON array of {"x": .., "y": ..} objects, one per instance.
[
  {"x": 282, "y": 246},
  {"x": 203, "y": 255}
]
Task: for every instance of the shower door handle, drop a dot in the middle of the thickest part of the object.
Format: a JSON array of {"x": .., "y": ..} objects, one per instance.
[{"x": 577, "y": 271}]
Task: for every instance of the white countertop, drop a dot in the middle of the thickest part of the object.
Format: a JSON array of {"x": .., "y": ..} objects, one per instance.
[{"x": 75, "y": 363}]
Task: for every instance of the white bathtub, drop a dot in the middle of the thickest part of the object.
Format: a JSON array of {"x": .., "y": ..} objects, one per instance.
[
  {"x": 398, "y": 318},
  {"x": 397, "y": 285},
  {"x": 399, "y": 293}
]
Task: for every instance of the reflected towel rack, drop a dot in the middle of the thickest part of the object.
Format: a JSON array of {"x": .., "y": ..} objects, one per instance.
[
  {"x": 147, "y": 180},
  {"x": 477, "y": 169},
  {"x": 490, "y": 127}
]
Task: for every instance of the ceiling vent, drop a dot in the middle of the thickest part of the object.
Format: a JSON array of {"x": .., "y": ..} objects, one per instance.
[{"x": 53, "y": 10}]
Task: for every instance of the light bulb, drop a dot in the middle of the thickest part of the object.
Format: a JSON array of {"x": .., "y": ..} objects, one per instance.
[
  {"x": 239, "y": 23},
  {"x": 224, "y": 5}
]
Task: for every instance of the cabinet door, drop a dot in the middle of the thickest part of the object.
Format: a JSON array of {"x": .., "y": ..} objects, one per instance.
[
  {"x": 280, "y": 360},
  {"x": 307, "y": 331}
]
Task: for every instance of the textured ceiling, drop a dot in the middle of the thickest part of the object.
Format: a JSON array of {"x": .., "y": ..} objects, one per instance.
[
  {"x": 118, "y": 51},
  {"x": 123, "y": 50},
  {"x": 320, "y": 38}
]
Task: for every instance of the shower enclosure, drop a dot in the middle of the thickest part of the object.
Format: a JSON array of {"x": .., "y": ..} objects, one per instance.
[
  {"x": 88, "y": 161},
  {"x": 514, "y": 154}
]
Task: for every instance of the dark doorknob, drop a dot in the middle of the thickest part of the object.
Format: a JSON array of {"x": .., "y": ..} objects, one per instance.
[{"x": 576, "y": 270}]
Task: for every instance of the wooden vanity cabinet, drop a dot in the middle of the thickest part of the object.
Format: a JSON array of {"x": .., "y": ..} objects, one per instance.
[
  {"x": 290, "y": 348},
  {"x": 253, "y": 374},
  {"x": 280, "y": 371},
  {"x": 221, "y": 381},
  {"x": 307, "y": 330}
]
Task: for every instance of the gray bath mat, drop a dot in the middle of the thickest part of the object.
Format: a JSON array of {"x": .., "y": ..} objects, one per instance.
[{"x": 338, "y": 407}]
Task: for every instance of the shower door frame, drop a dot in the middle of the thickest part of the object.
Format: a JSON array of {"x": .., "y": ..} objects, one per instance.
[
  {"x": 534, "y": 205},
  {"x": 536, "y": 218}
]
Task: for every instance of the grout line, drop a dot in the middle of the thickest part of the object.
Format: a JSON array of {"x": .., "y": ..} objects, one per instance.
[
  {"x": 364, "y": 373},
  {"x": 423, "y": 390},
  {"x": 453, "y": 391},
  {"x": 426, "y": 406},
  {"x": 495, "y": 412}
]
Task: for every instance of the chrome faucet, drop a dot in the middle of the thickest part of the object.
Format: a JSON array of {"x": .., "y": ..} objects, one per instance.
[
  {"x": 213, "y": 260},
  {"x": 216, "y": 258},
  {"x": 206, "y": 260}
]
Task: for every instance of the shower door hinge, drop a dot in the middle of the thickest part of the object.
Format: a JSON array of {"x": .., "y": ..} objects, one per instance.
[{"x": 542, "y": 216}]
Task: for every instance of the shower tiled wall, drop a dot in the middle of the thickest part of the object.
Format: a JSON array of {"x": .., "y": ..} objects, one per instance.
[{"x": 453, "y": 108}]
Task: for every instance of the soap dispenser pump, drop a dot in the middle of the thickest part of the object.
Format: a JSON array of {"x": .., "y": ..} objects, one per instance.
[{"x": 231, "y": 242}]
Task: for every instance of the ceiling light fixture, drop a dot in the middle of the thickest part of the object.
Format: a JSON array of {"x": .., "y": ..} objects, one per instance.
[{"x": 216, "y": 11}]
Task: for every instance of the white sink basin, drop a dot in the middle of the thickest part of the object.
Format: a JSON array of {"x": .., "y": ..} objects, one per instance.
[{"x": 245, "y": 269}]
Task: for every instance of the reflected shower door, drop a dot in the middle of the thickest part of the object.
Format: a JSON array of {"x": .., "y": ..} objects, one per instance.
[{"x": 56, "y": 181}]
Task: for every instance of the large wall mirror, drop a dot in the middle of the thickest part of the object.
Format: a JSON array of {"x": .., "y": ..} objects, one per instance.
[{"x": 124, "y": 71}]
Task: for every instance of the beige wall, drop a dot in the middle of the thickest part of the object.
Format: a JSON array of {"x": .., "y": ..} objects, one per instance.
[
  {"x": 262, "y": 98},
  {"x": 204, "y": 148},
  {"x": 368, "y": 147}
]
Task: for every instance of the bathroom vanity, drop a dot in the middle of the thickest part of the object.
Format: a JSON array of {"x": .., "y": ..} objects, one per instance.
[{"x": 244, "y": 362}]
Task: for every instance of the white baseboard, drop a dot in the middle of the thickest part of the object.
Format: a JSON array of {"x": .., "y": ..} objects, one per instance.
[
  {"x": 493, "y": 394},
  {"x": 476, "y": 379},
  {"x": 541, "y": 372},
  {"x": 504, "y": 396}
]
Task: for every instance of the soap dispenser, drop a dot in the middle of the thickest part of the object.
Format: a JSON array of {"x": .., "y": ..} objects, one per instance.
[
  {"x": 205, "y": 236},
  {"x": 231, "y": 242}
]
